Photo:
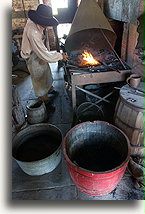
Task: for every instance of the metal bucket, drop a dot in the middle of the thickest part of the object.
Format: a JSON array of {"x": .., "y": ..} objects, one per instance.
[
  {"x": 96, "y": 154},
  {"x": 89, "y": 112},
  {"x": 37, "y": 148},
  {"x": 36, "y": 113}
]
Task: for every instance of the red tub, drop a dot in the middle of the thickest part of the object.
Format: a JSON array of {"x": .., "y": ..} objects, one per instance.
[{"x": 96, "y": 154}]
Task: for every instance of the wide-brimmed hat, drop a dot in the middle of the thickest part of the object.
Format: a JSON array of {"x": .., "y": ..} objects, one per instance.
[{"x": 43, "y": 16}]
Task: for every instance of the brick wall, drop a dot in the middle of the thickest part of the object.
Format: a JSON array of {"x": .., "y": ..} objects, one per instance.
[{"x": 19, "y": 12}]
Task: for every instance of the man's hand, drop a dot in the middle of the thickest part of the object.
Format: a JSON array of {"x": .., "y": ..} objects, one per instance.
[{"x": 65, "y": 57}]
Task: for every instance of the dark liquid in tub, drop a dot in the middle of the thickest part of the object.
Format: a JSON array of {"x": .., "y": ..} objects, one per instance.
[
  {"x": 98, "y": 160},
  {"x": 37, "y": 148}
]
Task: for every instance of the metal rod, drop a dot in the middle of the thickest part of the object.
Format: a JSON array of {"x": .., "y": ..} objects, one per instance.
[
  {"x": 80, "y": 71},
  {"x": 114, "y": 69},
  {"x": 137, "y": 89},
  {"x": 105, "y": 97},
  {"x": 113, "y": 49},
  {"x": 134, "y": 89},
  {"x": 92, "y": 104},
  {"x": 99, "y": 101},
  {"x": 72, "y": 66},
  {"x": 136, "y": 93},
  {"x": 87, "y": 108},
  {"x": 94, "y": 95}
]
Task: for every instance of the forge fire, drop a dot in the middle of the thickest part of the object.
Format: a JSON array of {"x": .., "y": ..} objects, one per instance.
[
  {"x": 88, "y": 59},
  {"x": 99, "y": 60}
]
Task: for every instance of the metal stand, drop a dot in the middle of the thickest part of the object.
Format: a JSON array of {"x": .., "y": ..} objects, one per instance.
[{"x": 79, "y": 79}]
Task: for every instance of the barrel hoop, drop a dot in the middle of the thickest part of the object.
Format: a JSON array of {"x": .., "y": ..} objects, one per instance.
[
  {"x": 99, "y": 178},
  {"x": 138, "y": 129},
  {"x": 136, "y": 146},
  {"x": 131, "y": 106},
  {"x": 100, "y": 190}
]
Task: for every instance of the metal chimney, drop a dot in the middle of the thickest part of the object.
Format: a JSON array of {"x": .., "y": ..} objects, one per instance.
[{"x": 89, "y": 29}]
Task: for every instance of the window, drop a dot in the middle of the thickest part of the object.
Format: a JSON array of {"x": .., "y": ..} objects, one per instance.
[
  {"x": 63, "y": 29},
  {"x": 58, "y": 4}
]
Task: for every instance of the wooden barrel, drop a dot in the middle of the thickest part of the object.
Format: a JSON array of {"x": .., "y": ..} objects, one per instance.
[
  {"x": 129, "y": 116},
  {"x": 95, "y": 157}
]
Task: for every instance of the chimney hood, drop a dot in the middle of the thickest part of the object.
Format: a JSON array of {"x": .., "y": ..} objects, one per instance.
[{"x": 89, "y": 29}]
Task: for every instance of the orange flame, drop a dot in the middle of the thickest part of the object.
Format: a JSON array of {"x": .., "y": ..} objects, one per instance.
[{"x": 89, "y": 59}]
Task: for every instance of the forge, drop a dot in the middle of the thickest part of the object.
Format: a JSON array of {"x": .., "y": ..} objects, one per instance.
[{"x": 90, "y": 47}]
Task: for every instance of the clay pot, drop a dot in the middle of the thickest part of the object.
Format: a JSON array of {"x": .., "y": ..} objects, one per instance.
[{"x": 36, "y": 113}]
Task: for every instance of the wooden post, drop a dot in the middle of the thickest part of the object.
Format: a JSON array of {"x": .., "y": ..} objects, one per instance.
[{"x": 124, "y": 42}]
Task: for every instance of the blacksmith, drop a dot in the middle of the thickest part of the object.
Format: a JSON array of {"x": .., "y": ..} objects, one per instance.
[{"x": 36, "y": 54}]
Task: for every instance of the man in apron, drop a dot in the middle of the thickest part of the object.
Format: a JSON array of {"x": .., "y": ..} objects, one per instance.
[{"x": 36, "y": 54}]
